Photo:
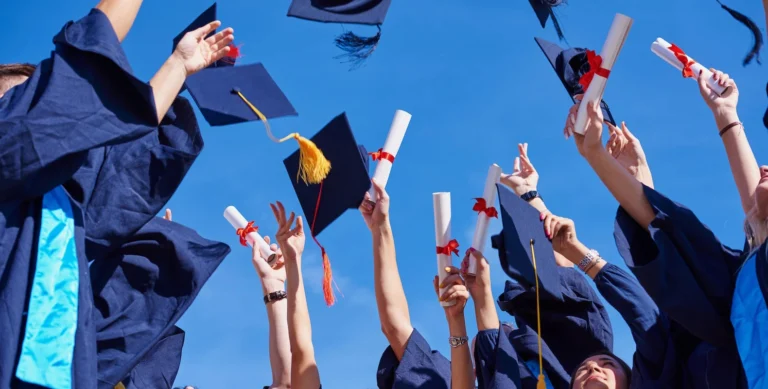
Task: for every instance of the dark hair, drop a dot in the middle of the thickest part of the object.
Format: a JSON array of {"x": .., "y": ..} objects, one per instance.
[
  {"x": 17, "y": 70},
  {"x": 627, "y": 370}
]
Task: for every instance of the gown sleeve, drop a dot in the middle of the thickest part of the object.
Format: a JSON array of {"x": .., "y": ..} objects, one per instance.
[
  {"x": 496, "y": 361},
  {"x": 420, "y": 367},
  {"x": 82, "y": 97},
  {"x": 655, "y": 361},
  {"x": 160, "y": 365},
  {"x": 682, "y": 265},
  {"x": 142, "y": 290}
]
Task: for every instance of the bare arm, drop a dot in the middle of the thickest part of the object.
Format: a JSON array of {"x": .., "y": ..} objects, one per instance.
[
  {"x": 304, "y": 371},
  {"x": 462, "y": 373},
  {"x": 167, "y": 83},
  {"x": 121, "y": 13},
  {"x": 279, "y": 338}
]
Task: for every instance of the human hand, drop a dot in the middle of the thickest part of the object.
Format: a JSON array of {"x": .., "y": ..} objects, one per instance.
[
  {"x": 291, "y": 239},
  {"x": 562, "y": 233},
  {"x": 375, "y": 214},
  {"x": 524, "y": 177},
  {"x": 197, "y": 52},
  {"x": 272, "y": 277},
  {"x": 591, "y": 140},
  {"x": 724, "y": 105},
  {"x": 626, "y": 149},
  {"x": 456, "y": 291},
  {"x": 168, "y": 216},
  {"x": 480, "y": 282}
]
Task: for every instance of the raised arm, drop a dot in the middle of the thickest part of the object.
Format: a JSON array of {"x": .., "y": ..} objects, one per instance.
[
  {"x": 273, "y": 288},
  {"x": 193, "y": 53},
  {"x": 304, "y": 371},
  {"x": 121, "y": 13},
  {"x": 462, "y": 374},
  {"x": 746, "y": 172},
  {"x": 390, "y": 296},
  {"x": 626, "y": 149}
]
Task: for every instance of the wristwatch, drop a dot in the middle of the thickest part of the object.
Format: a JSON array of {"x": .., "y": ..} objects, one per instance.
[
  {"x": 457, "y": 341},
  {"x": 528, "y": 196},
  {"x": 275, "y": 296}
]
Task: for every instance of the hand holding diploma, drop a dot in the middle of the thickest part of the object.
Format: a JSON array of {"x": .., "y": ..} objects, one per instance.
[
  {"x": 676, "y": 57},
  {"x": 249, "y": 234},
  {"x": 485, "y": 211},
  {"x": 446, "y": 246},
  {"x": 386, "y": 155}
]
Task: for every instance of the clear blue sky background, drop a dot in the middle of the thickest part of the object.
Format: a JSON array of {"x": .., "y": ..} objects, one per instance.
[{"x": 476, "y": 84}]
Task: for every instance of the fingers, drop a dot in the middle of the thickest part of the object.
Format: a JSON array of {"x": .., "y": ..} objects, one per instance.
[
  {"x": 550, "y": 229},
  {"x": 434, "y": 284},
  {"x": 279, "y": 263},
  {"x": 516, "y": 167},
  {"x": 477, "y": 255},
  {"x": 201, "y": 32},
  {"x": 465, "y": 264},
  {"x": 455, "y": 292},
  {"x": 276, "y": 213},
  {"x": 168, "y": 215},
  {"x": 452, "y": 279},
  {"x": 281, "y": 208},
  {"x": 381, "y": 194},
  {"x": 273, "y": 247},
  {"x": 299, "y": 230},
  {"x": 266, "y": 240},
  {"x": 578, "y": 97},
  {"x": 216, "y": 39},
  {"x": 626, "y": 132},
  {"x": 289, "y": 223}
]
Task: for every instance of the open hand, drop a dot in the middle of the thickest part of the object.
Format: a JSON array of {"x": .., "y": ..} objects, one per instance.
[
  {"x": 197, "y": 52},
  {"x": 626, "y": 148},
  {"x": 456, "y": 291},
  {"x": 524, "y": 177},
  {"x": 291, "y": 239},
  {"x": 375, "y": 214}
]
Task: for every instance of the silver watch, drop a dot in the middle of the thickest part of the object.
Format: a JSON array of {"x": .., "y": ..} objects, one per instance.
[
  {"x": 457, "y": 341},
  {"x": 592, "y": 255}
]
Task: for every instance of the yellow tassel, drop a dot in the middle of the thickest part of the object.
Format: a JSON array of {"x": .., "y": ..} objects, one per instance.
[
  {"x": 313, "y": 166},
  {"x": 119, "y": 386},
  {"x": 541, "y": 384}
]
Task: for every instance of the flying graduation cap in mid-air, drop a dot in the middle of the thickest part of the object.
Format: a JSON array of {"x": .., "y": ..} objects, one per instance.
[
  {"x": 366, "y": 12},
  {"x": 545, "y": 9}
]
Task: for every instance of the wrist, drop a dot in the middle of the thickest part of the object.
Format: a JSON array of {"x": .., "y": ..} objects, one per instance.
[
  {"x": 575, "y": 252},
  {"x": 538, "y": 203},
  {"x": 272, "y": 285},
  {"x": 176, "y": 61},
  {"x": 382, "y": 229},
  {"x": 456, "y": 325},
  {"x": 724, "y": 117}
]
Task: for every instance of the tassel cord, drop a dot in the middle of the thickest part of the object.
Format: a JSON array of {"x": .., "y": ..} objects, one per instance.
[{"x": 540, "y": 384}]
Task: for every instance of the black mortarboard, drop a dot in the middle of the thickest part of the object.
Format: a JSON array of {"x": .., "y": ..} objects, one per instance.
[
  {"x": 208, "y": 16},
  {"x": 370, "y": 12},
  {"x": 570, "y": 65},
  {"x": 344, "y": 188},
  {"x": 757, "y": 36},
  {"x": 521, "y": 240},
  {"x": 545, "y": 10}
]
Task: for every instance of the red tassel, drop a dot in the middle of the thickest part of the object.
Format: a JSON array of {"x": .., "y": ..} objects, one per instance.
[
  {"x": 330, "y": 299},
  {"x": 233, "y": 54}
]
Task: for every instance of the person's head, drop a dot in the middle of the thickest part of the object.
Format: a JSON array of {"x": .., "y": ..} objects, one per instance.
[
  {"x": 756, "y": 225},
  {"x": 602, "y": 370},
  {"x": 14, "y": 74}
]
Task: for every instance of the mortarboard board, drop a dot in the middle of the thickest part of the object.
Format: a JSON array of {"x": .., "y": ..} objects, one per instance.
[
  {"x": 545, "y": 10},
  {"x": 757, "y": 36},
  {"x": 208, "y": 16},
  {"x": 238, "y": 94},
  {"x": 522, "y": 225},
  {"x": 570, "y": 65},
  {"x": 343, "y": 189},
  {"x": 369, "y": 12}
]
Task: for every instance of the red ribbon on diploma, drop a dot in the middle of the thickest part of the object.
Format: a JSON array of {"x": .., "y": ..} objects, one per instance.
[
  {"x": 381, "y": 154},
  {"x": 481, "y": 206},
  {"x": 243, "y": 232},
  {"x": 684, "y": 59},
  {"x": 595, "y": 63},
  {"x": 451, "y": 247}
]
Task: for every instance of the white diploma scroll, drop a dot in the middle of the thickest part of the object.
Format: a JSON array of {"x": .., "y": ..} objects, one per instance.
[
  {"x": 662, "y": 48},
  {"x": 481, "y": 227},
  {"x": 236, "y": 219},
  {"x": 391, "y": 146},
  {"x": 442, "y": 206},
  {"x": 611, "y": 49}
]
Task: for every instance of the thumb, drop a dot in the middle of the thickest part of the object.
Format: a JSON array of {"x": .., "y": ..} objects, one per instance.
[{"x": 627, "y": 134}]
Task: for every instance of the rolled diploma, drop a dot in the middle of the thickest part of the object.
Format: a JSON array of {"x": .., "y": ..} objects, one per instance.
[
  {"x": 616, "y": 37},
  {"x": 661, "y": 48},
  {"x": 391, "y": 146},
  {"x": 481, "y": 227},
  {"x": 236, "y": 219},
  {"x": 442, "y": 205}
]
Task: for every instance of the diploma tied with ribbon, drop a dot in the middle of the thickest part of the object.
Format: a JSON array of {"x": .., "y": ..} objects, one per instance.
[
  {"x": 249, "y": 234},
  {"x": 676, "y": 57},
  {"x": 594, "y": 81},
  {"x": 485, "y": 211},
  {"x": 386, "y": 155},
  {"x": 446, "y": 246}
]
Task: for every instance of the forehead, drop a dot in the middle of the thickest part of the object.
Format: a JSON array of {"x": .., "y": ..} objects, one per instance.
[
  {"x": 600, "y": 358},
  {"x": 8, "y": 82}
]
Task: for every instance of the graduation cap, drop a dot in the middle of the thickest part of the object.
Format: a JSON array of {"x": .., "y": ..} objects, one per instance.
[
  {"x": 757, "y": 36},
  {"x": 343, "y": 189},
  {"x": 238, "y": 94},
  {"x": 369, "y": 12},
  {"x": 545, "y": 10},
  {"x": 570, "y": 65},
  {"x": 209, "y": 16}
]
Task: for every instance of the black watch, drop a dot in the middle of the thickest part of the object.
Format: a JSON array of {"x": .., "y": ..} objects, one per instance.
[
  {"x": 528, "y": 196},
  {"x": 275, "y": 296}
]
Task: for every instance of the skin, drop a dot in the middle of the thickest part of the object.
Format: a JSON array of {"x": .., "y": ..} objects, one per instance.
[{"x": 600, "y": 372}]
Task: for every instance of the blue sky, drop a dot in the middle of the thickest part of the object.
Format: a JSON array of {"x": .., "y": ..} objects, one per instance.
[{"x": 476, "y": 84}]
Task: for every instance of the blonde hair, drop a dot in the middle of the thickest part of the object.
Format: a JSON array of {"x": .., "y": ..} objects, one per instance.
[{"x": 756, "y": 229}]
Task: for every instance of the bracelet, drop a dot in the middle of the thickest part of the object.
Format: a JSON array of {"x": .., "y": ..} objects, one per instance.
[
  {"x": 589, "y": 260},
  {"x": 530, "y": 195},
  {"x": 457, "y": 341},
  {"x": 591, "y": 265},
  {"x": 728, "y": 127},
  {"x": 275, "y": 296}
]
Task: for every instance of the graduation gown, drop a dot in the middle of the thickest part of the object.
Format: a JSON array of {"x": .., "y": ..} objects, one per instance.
[
  {"x": 690, "y": 276},
  {"x": 160, "y": 365},
  {"x": 580, "y": 312},
  {"x": 141, "y": 291},
  {"x": 65, "y": 119},
  {"x": 420, "y": 367}
]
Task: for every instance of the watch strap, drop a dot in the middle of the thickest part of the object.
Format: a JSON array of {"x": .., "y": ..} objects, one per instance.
[
  {"x": 275, "y": 296},
  {"x": 530, "y": 195}
]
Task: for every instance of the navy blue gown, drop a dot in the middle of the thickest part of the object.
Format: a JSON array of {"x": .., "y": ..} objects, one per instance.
[
  {"x": 420, "y": 367},
  {"x": 160, "y": 365}
]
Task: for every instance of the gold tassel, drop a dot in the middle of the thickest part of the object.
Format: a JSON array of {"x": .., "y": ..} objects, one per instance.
[
  {"x": 541, "y": 384},
  {"x": 119, "y": 386},
  {"x": 313, "y": 166}
]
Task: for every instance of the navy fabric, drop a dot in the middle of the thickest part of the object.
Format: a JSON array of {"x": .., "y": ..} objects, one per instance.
[
  {"x": 570, "y": 65},
  {"x": 212, "y": 89},
  {"x": 655, "y": 362},
  {"x": 543, "y": 9},
  {"x": 497, "y": 365},
  {"x": 345, "y": 186},
  {"x": 208, "y": 16},
  {"x": 420, "y": 367},
  {"x": 370, "y": 12},
  {"x": 522, "y": 225},
  {"x": 580, "y": 312},
  {"x": 160, "y": 365},
  {"x": 525, "y": 342},
  {"x": 142, "y": 290}
]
